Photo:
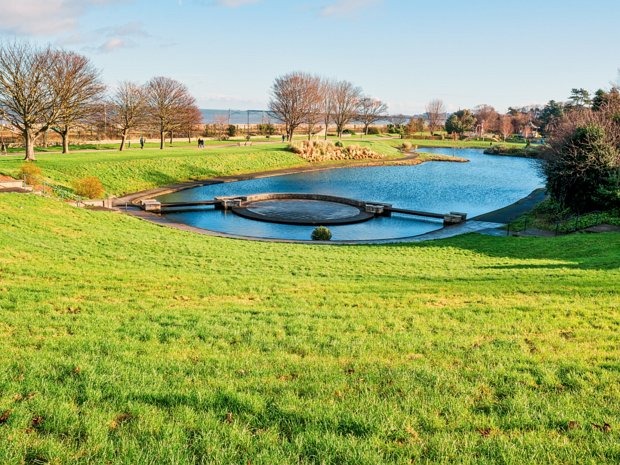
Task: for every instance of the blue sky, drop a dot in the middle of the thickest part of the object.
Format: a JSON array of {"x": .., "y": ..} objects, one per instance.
[{"x": 405, "y": 52}]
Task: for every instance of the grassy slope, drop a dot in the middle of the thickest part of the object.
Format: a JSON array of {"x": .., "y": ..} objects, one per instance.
[
  {"x": 137, "y": 170},
  {"x": 139, "y": 344}
]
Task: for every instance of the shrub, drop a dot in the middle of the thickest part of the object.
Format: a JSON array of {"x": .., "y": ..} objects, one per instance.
[
  {"x": 90, "y": 187},
  {"x": 349, "y": 131},
  {"x": 406, "y": 146},
  {"x": 321, "y": 233},
  {"x": 583, "y": 167},
  {"x": 339, "y": 143},
  {"x": 30, "y": 173},
  {"x": 373, "y": 131},
  {"x": 231, "y": 131}
]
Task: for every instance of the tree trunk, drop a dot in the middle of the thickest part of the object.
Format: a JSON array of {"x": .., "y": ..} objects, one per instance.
[
  {"x": 366, "y": 129},
  {"x": 65, "y": 140},
  {"x": 170, "y": 137},
  {"x": 161, "y": 140},
  {"x": 123, "y": 137},
  {"x": 29, "y": 143}
]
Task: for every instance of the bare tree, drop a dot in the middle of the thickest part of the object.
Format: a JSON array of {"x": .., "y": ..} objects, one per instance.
[
  {"x": 435, "y": 112},
  {"x": 315, "y": 105},
  {"x": 293, "y": 99},
  {"x": 167, "y": 99},
  {"x": 127, "y": 108},
  {"x": 486, "y": 118},
  {"x": 346, "y": 104},
  {"x": 505, "y": 126},
  {"x": 27, "y": 97},
  {"x": 370, "y": 111},
  {"x": 189, "y": 119},
  {"x": 78, "y": 87},
  {"x": 327, "y": 92}
]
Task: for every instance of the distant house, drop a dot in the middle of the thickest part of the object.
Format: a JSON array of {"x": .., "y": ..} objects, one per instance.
[{"x": 530, "y": 130}]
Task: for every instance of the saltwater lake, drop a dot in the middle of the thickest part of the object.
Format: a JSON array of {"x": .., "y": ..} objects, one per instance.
[{"x": 484, "y": 184}]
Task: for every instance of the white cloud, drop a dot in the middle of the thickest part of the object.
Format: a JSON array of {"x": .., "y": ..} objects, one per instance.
[
  {"x": 346, "y": 7},
  {"x": 235, "y": 3},
  {"x": 47, "y": 17},
  {"x": 112, "y": 44}
]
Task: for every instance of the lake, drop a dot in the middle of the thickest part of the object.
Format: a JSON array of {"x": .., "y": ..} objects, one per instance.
[{"x": 484, "y": 184}]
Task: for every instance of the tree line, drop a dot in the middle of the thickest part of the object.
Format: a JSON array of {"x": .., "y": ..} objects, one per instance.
[
  {"x": 307, "y": 101},
  {"x": 44, "y": 89}
]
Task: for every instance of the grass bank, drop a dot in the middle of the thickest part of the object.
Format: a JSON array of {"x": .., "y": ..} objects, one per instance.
[
  {"x": 123, "y": 342},
  {"x": 131, "y": 171}
]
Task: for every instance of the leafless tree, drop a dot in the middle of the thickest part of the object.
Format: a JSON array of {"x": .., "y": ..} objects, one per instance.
[
  {"x": 505, "y": 126},
  {"x": 167, "y": 99},
  {"x": 79, "y": 89},
  {"x": 370, "y": 111},
  {"x": 486, "y": 118},
  {"x": 27, "y": 96},
  {"x": 435, "y": 112},
  {"x": 346, "y": 104},
  {"x": 189, "y": 119},
  {"x": 127, "y": 108},
  {"x": 315, "y": 105},
  {"x": 293, "y": 99},
  {"x": 327, "y": 94}
]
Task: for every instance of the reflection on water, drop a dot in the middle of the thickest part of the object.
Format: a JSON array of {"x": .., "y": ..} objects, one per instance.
[{"x": 484, "y": 184}]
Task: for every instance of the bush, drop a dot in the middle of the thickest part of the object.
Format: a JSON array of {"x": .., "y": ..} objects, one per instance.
[
  {"x": 30, "y": 173},
  {"x": 339, "y": 143},
  {"x": 349, "y": 131},
  {"x": 231, "y": 131},
  {"x": 90, "y": 187},
  {"x": 583, "y": 167},
  {"x": 321, "y": 233},
  {"x": 406, "y": 146},
  {"x": 373, "y": 131}
]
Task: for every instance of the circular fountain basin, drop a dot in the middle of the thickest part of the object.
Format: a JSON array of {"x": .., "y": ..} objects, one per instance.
[{"x": 303, "y": 209}]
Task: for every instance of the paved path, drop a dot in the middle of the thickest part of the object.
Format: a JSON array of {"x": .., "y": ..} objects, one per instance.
[{"x": 512, "y": 212}]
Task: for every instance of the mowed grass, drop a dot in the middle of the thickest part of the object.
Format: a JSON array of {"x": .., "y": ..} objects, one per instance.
[
  {"x": 136, "y": 170},
  {"x": 124, "y": 172},
  {"x": 124, "y": 342}
]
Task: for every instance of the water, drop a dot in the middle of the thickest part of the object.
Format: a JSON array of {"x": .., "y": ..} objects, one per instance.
[{"x": 484, "y": 184}]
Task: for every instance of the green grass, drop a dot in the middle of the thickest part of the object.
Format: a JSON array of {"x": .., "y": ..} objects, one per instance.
[
  {"x": 123, "y": 172},
  {"x": 135, "y": 170},
  {"x": 124, "y": 342}
]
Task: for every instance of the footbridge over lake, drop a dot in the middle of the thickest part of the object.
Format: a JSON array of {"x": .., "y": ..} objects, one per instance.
[{"x": 299, "y": 209}]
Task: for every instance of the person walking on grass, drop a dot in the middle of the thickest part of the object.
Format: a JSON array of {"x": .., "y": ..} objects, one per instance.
[{"x": 141, "y": 142}]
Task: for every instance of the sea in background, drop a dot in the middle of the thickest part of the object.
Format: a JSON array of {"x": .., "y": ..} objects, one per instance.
[
  {"x": 211, "y": 116},
  {"x": 241, "y": 117}
]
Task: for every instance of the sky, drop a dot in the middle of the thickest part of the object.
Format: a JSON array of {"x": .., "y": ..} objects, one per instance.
[{"x": 405, "y": 52}]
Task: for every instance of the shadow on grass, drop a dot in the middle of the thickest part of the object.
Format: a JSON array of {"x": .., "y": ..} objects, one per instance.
[{"x": 578, "y": 251}]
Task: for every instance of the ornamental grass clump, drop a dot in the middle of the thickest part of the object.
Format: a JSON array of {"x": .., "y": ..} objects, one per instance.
[
  {"x": 90, "y": 187},
  {"x": 31, "y": 174},
  {"x": 316, "y": 151}
]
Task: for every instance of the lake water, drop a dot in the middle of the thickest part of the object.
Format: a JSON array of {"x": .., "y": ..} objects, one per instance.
[{"x": 484, "y": 184}]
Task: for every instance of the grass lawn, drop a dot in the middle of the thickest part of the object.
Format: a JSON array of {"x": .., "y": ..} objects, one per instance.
[
  {"x": 124, "y": 342},
  {"x": 123, "y": 172},
  {"x": 131, "y": 171}
]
